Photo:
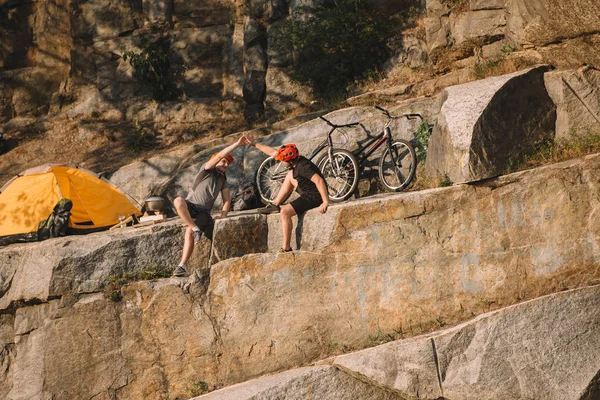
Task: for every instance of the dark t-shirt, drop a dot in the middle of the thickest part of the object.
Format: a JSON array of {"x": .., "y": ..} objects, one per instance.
[{"x": 303, "y": 171}]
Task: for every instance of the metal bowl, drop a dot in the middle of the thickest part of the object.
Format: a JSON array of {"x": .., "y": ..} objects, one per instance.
[{"x": 155, "y": 204}]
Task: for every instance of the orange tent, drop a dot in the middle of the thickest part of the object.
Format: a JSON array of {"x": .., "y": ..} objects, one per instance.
[{"x": 31, "y": 196}]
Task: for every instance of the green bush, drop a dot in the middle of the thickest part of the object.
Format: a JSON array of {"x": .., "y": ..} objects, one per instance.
[
  {"x": 153, "y": 67},
  {"x": 336, "y": 43},
  {"x": 421, "y": 140},
  {"x": 114, "y": 283}
]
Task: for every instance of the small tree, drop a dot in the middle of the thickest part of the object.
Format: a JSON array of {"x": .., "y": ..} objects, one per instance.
[
  {"x": 336, "y": 43},
  {"x": 152, "y": 66}
]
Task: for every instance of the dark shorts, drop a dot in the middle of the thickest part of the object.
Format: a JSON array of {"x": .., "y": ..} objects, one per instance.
[
  {"x": 202, "y": 219},
  {"x": 302, "y": 204}
]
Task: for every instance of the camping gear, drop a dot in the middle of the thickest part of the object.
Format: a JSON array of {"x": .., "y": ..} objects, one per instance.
[
  {"x": 246, "y": 197},
  {"x": 57, "y": 223},
  {"x": 155, "y": 204},
  {"x": 30, "y": 197}
]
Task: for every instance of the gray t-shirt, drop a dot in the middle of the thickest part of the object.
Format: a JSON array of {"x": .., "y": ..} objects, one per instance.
[{"x": 206, "y": 187}]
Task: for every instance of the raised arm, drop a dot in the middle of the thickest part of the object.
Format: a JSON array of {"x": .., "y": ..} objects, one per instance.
[
  {"x": 268, "y": 150},
  {"x": 210, "y": 164}
]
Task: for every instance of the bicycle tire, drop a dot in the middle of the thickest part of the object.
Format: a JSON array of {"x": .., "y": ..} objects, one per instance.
[
  {"x": 341, "y": 178},
  {"x": 269, "y": 179},
  {"x": 404, "y": 170}
]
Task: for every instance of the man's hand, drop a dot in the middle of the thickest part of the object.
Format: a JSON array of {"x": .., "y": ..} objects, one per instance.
[
  {"x": 323, "y": 207},
  {"x": 248, "y": 140},
  {"x": 242, "y": 141}
]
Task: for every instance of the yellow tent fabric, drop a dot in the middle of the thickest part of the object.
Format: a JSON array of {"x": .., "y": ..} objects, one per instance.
[{"x": 30, "y": 198}]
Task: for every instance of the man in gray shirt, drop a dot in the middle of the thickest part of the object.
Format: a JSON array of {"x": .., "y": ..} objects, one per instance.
[{"x": 194, "y": 210}]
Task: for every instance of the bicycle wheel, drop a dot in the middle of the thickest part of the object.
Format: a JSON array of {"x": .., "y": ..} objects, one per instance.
[
  {"x": 340, "y": 173},
  {"x": 399, "y": 174},
  {"x": 269, "y": 178}
]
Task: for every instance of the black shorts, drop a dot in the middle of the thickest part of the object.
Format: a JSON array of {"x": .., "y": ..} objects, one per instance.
[
  {"x": 202, "y": 219},
  {"x": 302, "y": 204}
]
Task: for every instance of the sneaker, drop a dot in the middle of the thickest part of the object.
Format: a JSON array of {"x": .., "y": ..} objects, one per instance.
[
  {"x": 269, "y": 209},
  {"x": 282, "y": 250},
  {"x": 197, "y": 236},
  {"x": 180, "y": 271}
]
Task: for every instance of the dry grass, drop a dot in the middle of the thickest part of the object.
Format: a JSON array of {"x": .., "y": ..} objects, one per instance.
[
  {"x": 544, "y": 152},
  {"x": 425, "y": 181}
]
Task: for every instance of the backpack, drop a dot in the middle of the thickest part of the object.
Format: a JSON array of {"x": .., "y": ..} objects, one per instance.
[
  {"x": 57, "y": 223},
  {"x": 246, "y": 197}
]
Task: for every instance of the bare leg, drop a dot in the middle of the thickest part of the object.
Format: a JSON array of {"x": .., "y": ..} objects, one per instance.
[
  {"x": 286, "y": 214},
  {"x": 183, "y": 212},
  {"x": 287, "y": 211},
  {"x": 289, "y": 183},
  {"x": 188, "y": 245}
]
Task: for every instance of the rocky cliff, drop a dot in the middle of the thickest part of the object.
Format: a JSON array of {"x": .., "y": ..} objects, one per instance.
[{"x": 367, "y": 272}]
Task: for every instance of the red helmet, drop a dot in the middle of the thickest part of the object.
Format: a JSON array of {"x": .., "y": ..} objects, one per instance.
[
  {"x": 228, "y": 157},
  {"x": 287, "y": 152}
]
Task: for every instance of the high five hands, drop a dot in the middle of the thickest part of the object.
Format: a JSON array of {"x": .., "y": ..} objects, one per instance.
[{"x": 246, "y": 140}]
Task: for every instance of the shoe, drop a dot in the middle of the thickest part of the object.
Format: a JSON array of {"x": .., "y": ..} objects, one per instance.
[
  {"x": 282, "y": 250},
  {"x": 180, "y": 271},
  {"x": 198, "y": 236},
  {"x": 269, "y": 209}
]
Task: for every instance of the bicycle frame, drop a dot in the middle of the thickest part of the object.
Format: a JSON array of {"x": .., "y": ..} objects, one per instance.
[{"x": 363, "y": 152}]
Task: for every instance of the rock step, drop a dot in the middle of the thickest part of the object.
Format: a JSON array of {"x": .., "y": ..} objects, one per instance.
[
  {"x": 368, "y": 271},
  {"x": 547, "y": 348}
]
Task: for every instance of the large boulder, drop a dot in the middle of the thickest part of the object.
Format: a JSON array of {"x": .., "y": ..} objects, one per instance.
[
  {"x": 576, "y": 94},
  {"x": 484, "y": 125},
  {"x": 479, "y": 27}
]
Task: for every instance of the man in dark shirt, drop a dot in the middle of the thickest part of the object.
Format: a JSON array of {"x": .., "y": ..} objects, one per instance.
[
  {"x": 305, "y": 177},
  {"x": 194, "y": 210}
]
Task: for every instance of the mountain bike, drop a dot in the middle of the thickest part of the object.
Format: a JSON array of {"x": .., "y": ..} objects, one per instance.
[
  {"x": 398, "y": 163},
  {"x": 338, "y": 166}
]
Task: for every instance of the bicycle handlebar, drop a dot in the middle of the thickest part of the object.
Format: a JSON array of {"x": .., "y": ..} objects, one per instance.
[
  {"x": 408, "y": 116},
  {"x": 338, "y": 126}
]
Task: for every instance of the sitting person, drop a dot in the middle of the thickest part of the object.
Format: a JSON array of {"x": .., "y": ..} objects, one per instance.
[
  {"x": 194, "y": 210},
  {"x": 304, "y": 177}
]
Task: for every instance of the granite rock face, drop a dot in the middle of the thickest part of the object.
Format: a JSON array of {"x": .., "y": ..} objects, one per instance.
[
  {"x": 492, "y": 357},
  {"x": 460, "y": 30},
  {"x": 321, "y": 382},
  {"x": 483, "y": 125},
  {"x": 576, "y": 94},
  {"x": 405, "y": 263},
  {"x": 367, "y": 271},
  {"x": 545, "y": 21},
  {"x": 488, "y": 357}
]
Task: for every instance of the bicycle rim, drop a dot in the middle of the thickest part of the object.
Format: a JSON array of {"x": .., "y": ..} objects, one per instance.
[
  {"x": 341, "y": 175},
  {"x": 269, "y": 179},
  {"x": 399, "y": 174}
]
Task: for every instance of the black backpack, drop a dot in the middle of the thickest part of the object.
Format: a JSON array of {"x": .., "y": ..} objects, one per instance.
[
  {"x": 246, "y": 197},
  {"x": 57, "y": 223}
]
